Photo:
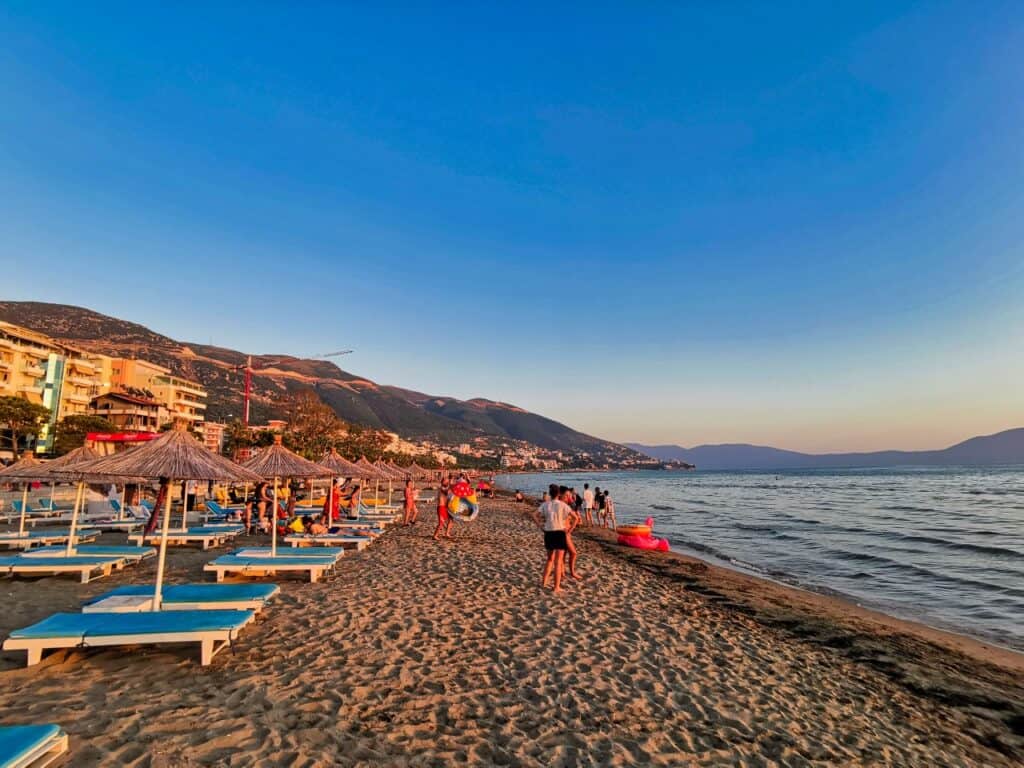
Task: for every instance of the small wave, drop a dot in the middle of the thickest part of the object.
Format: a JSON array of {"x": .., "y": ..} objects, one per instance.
[
  {"x": 663, "y": 507},
  {"x": 985, "y": 549},
  {"x": 900, "y": 508}
]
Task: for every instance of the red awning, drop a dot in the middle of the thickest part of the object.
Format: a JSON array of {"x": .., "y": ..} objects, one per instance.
[{"x": 121, "y": 437}]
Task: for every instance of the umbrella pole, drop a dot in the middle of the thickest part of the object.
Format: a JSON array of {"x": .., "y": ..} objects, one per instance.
[
  {"x": 162, "y": 558},
  {"x": 53, "y": 501},
  {"x": 74, "y": 519},
  {"x": 24, "y": 506},
  {"x": 184, "y": 508},
  {"x": 124, "y": 497},
  {"x": 273, "y": 524}
]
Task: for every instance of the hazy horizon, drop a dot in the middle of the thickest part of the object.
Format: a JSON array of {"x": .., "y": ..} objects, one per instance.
[{"x": 786, "y": 226}]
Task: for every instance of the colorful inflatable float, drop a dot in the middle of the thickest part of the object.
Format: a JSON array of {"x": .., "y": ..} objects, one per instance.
[
  {"x": 462, "y": 503},
  {"x": 639, "y": 536}
]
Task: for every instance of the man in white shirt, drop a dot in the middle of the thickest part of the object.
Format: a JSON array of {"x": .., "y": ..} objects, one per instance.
[
  {"x": 554, "y": 517},
  {"x": 588, "y": 503}
]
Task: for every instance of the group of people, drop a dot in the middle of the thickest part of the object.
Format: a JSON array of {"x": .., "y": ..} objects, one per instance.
[
  {"x": 562, "y": 511},
  {"x": 410, "y": 510}
]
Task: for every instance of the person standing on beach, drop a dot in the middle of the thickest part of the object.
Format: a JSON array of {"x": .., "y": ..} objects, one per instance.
[
  {"x": 553, "y": 517},
  {"x": 588, "y": 503},
  {"x": 609, "y": 512},
  {"x": 410, "y": 508},
  {"x": 444, "y": 520},
  {"x": 574, "y": 522}
]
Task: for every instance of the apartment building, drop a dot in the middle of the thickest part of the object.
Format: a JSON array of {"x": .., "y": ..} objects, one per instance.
[
  {"x": 182, "y": 399},
  {"x": 49, "y": 373}
]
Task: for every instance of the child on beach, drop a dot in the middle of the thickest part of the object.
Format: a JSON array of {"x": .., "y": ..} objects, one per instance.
[
  {"x": 411, "y": 511},
  {"x": 444, "y": 520},
  {"x": 553, "y": 518}
]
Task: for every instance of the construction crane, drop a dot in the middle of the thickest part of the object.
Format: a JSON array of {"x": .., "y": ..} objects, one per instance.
[{"x": 249, "y": 371}]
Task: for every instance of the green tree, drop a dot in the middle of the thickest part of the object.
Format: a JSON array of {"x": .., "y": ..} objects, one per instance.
[
  {"x": 312, "y": 424},
  {"x": 71, "y": 431},
  {"x": 21, "y": 418},
  {"x": 236, "y": 437}
]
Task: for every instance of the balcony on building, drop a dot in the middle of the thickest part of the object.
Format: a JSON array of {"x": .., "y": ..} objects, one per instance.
[{"x": 34, "y": 370}]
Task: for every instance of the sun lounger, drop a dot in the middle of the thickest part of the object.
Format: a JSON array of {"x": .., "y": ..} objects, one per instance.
[
  {"x": 263, "y": 566},
  {"x": 184, "y": 597},
  {"x": 213, "y": 630},
  {"x": 132, "y": 554},
  {"x": 205, "y": 537},
  {"x": 31, "y": 746},
  {"x": 304, "y": 541},
  {"x": 32, "y": 539},
  {"x": 128, "y": 525},
  {"x": 83, "y": 565},
  {"x": 31, "y": 511},
  {"x": 334, "y": 552}
]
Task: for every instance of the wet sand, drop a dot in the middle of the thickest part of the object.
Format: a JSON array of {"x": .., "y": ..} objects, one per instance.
[{"x": 420, "y": 654}]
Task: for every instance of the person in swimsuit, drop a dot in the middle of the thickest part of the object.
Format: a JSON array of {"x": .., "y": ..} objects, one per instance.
[
  {"x": 410, "y": 509},
  {"x": 444, "y": 520}
]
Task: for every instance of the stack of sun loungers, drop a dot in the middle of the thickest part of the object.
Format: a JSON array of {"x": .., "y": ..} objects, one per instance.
[
  {"x": 204, "y": 536},
  {"x": 31, "y": 746}
]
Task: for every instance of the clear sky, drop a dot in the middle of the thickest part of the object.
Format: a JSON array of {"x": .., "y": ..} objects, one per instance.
[{"x": 793, "y": 224}]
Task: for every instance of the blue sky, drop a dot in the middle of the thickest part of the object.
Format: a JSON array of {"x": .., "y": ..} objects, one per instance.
[{"x": 704, "y": 222}]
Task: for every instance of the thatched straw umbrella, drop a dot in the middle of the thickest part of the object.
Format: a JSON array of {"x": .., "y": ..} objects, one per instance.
[
  {"x": 371, "y": 473},
  {"x": 175, "y": 455},
  {"x": 27, "y": 470},
  {"x": 381, "y": 466},
  {"x": 277, "y": 462},
  {"x": 67, "y": 469}
]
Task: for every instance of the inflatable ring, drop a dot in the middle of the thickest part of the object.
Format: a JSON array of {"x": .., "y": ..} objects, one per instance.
[
  {"x": 463, "y": 508},
  {"x": 633, "y": 530}
]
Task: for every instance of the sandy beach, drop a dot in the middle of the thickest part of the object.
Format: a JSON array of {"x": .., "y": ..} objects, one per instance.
[{"x": 424, "y": 654}]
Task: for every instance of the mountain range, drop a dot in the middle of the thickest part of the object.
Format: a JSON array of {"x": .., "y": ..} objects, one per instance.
[
  {"x": 411, "y": 414},
  {"x": 1001, "y": 448}
]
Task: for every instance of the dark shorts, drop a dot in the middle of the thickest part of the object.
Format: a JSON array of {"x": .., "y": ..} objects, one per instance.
[{"x": 555, "y": 540}]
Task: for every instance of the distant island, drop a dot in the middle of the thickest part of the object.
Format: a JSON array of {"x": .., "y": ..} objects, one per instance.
[{"x": 1005, "y": 447}]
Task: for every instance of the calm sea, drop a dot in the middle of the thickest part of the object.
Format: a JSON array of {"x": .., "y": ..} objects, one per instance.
[{"x": 940, "y": 546}]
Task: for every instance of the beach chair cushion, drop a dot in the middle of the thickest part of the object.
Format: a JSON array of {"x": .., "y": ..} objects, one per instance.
[
  {"x": 197, "y": 593},
  {"x": 99, "y": 550},
  {"x": 85, "y": 625},
  {"x": 22, "y": 561},
  {"x": 330, "y": 552},
  {"x": 23, "y": 745}
]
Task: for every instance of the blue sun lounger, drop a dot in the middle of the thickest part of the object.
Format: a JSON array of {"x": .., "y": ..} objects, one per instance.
[
  {"x": 266, "y": 565},
  {"x": 29, "y": 539},
  {"x": 345, "y": 541},
  {"x": 205, "y": 537},
  {"x": 331, "y": 552},
  {"x": 213, "y": 630},
  {"x": 132, "y": 554},
  {"x": 184, "y": 597},
  {"x": 31, "y": 746},
  {"x": 83, "y": 565}
]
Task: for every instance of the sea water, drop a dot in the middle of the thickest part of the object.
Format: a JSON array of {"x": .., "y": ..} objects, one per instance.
[{"x": 941, "y": 546}]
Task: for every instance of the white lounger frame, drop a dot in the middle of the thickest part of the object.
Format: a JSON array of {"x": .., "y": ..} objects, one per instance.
[
  {"x": 45, "y": 754},
  {"x": 326, "y": 541},
  {"x": 211, "y": 642},
  {"x": 182, "y": 539},
  {"x": 316, "y": 570},
  {"x": 83, "y": 570}
]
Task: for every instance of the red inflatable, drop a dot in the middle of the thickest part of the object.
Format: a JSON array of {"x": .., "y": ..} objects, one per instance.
[{"x": 644, "y": 542}]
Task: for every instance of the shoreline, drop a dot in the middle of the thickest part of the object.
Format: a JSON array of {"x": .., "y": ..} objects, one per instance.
[
  {"x": 854, "y": 603},
  {"x": 416, "y": 653}
]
